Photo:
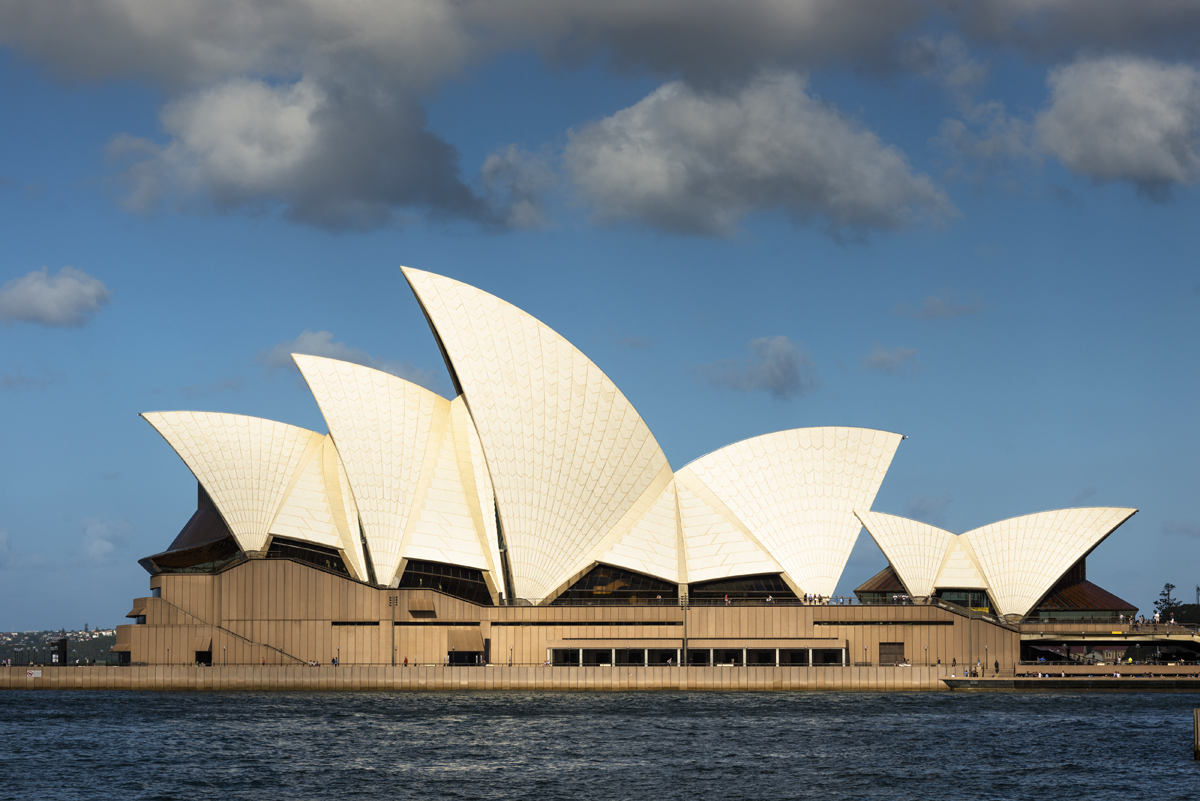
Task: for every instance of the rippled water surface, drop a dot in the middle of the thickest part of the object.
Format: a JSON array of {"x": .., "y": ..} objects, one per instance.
[{"x": 582, "y": 746}]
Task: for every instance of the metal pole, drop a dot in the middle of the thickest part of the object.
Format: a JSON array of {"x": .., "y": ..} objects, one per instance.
[{"x": 1196, "y": 734}]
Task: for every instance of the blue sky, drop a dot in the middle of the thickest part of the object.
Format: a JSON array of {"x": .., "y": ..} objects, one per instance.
[{"x": 971, "y": 225}]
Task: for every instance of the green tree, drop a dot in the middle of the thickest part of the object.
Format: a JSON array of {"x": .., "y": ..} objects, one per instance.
[{"x": 1166, "y": 603}]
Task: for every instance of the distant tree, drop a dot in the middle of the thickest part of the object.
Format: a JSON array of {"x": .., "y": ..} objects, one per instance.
[
  {"x": 1166, "y": 603},
  {"x": 85, "y": 628}
]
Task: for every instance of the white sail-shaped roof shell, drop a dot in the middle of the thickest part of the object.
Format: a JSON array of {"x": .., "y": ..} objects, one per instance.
[
  {"x": 651, "y": 543},
  {"x": 716, "y": 544},
  {"x": 407, "y": 456},
  {"x": 315, "y": 508},
  {"x": 960, "y": 570},
  {"x": 915, "y": 550},
  {"x": 246, "y": 464},
  {"x": 382, "y": 426},
  {"x": 1023, "y": 557},
  {"x": 568, "y": 455},
  {"x": 796, "y": 492}
]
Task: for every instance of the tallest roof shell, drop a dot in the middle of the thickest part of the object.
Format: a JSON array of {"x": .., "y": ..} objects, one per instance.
[{"x": 569, "y": 457}]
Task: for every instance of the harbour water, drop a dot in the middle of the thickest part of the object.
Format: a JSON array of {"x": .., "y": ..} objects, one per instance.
[{"x": 829, "y": 746}]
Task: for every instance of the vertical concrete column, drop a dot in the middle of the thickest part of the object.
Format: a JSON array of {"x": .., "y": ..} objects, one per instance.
[
  {"x": 645, "y": 657},
  {"x": 810, "y": 659},
  {"x": 712, "y": 659},
  {"x": 677, "y": 650},
  {"x": 776, "y": 657},
  {"x": 843, "y": 657},
  {"x": 613, "y": 660},
  {"x": 581, "y": 657},
  {"x": 550, "y": 656},
  {"x": 744, "y": 657}
]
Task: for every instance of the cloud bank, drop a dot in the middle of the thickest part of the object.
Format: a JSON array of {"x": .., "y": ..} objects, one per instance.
[{"x": 317, "y": 111}]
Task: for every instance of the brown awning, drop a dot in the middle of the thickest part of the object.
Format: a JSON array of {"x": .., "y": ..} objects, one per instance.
[
  {"x": 202, "y": 644},
  {"x": 465, "y": 638},
  {"x": 420, "y": 605},
  {"x": 121, "y": 646},
  {"x": 137, "y": 611}
]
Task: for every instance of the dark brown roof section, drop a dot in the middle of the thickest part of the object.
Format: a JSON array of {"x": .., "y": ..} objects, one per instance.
[
  {"x": 1082, "y": 595},
  {"x": 885, "y": 580}
]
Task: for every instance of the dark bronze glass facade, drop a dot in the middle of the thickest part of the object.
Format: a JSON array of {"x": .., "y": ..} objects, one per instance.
[
  {"x": 460, "y": 582},
  {"x": 755, "y": 588},
  {"x": 605, "y": 584}
]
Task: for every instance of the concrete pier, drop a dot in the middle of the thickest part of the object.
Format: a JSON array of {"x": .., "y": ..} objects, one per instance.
[{"x": 494, "y": 677}]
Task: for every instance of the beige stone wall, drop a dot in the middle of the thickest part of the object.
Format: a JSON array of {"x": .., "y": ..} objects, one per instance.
[{"x": 285, "y": 613}]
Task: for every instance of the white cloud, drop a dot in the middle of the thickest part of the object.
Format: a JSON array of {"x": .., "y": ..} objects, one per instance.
[
  {"x": 778, "y": 366},
  {"x": 320, "y": 343},
  {"x": 691, "y": 162},
  {"x": 66, "y": 299},
  {"x": 316, "y": 110},
  {"x": 515, "y": 182},
  {"x": 893, "y": 361},
  {"x": 103, "y": 538},
  {"x": 1121, "y": 118},
  {"x": 332, "y": 157}
]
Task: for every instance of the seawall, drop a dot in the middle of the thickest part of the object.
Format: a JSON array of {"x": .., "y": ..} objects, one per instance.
[{"x": 492, "y": 677}]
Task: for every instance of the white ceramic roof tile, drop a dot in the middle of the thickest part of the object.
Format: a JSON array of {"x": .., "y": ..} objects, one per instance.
[
  {"x": 796, "y": 492},
  {"x": 443, "y": 527},
  {"x": 959, "y": 570},
  {"x": 650, "y": 545},
  {"x": 478, "y": 487},
  {"x": 915, "y": 550},
  {"x": 305, "y": 513},
  {"x": 715, "y": 544},
  {"x": 567, "y": 453},
  {"x": 1023, "y": 557},
  {"x": 345, "y": 511},
  {"x": 382, "y": 426},
  {"x": 244, "y": 463}
]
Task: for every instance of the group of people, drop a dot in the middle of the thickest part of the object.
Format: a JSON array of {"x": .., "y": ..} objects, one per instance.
[{"x": 1138, "y": 622}]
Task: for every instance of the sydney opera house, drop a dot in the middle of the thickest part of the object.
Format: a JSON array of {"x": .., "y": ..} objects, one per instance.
[{"x": 534, "y": 519}]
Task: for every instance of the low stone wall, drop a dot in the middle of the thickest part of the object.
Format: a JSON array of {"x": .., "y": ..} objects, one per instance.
[{"x": 494, "y": 677}]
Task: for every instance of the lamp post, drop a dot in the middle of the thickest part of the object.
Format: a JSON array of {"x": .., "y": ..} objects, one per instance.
[
  {"x": 864, "y": 654},
  {"x": 985, "y": 660},
  {"x": 222, "y": 656},
  {"x": 926, "y": 656}
]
